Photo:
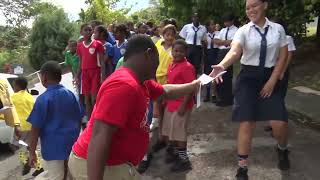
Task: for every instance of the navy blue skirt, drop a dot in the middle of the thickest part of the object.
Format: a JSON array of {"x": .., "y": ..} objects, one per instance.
[{"x": 248, "y": 104}]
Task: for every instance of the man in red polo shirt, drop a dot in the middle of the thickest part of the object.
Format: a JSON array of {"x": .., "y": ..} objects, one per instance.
[{"x": 117, "y": 138}]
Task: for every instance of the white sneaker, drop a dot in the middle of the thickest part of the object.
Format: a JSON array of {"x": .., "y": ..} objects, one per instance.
[{"x": 154, "y": 124}]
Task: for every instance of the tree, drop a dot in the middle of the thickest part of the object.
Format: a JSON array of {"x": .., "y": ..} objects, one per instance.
[
  {"x": 103, "y": 10},
  {"x": 152, "y": 14},
  {"x": 51, "y": 31},
  {"x": 16, "y": 12},
  {"x": 295, "y": 12}
]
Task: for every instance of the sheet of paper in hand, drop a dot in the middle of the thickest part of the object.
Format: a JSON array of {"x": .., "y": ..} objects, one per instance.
[{"x": 205, "y": 79}]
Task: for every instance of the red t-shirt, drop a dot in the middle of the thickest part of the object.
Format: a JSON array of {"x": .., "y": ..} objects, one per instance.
[
  {"x": 122, "y": 101},
  {"x": 180, "y": 73},
  {"x": 89, "y": 54}
]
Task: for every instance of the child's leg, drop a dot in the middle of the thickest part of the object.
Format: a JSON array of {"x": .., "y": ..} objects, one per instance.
[
  {"x": 179, "y": 134},
  {"x": 88, "y": 102}
]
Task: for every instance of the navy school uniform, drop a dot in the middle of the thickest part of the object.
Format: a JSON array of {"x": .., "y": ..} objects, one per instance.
[
  {"x": 224, "y": 89},
  {"x": 194, "y": 37},
  {"x": 260, "y": 53}
]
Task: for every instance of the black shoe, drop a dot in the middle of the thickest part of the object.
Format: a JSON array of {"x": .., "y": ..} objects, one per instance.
[
  {"x": 242, "y": 174},
  {"x": 224, "y": 104},
  {"x": 26, "y": 169},
  {"x": 37, "y": 172},
  {"x": 181, "y": 165},
  {"x": 144, "y": 165},
  {"x": 207, "y": 99},
  {"x": 214, "y": 99},
  {"x": 171, "y": 157},
  {"x": 268, "y": 129},
  {"x": 284, "y": 163},
  {"x": 158, "y": 146}
]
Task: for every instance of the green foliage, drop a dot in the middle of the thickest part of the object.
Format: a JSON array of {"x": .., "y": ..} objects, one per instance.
[
  {"x": 50, "y": 33},
  {"x": 295, "y": 12},
  {"x": 152, "y": 14},
  {"x": 16, "y": 12},
  {"x": 101, "y": 10}
]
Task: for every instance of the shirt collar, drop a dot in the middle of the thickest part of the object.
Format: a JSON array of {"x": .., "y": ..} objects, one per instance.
[
  {"x": 183, "y": 61},
  {"x": 199, "y": 27},
  {"x": 54, "y": 86},
  {"x": 267, "y": 23},
  {"x": 133, "y": 75}
]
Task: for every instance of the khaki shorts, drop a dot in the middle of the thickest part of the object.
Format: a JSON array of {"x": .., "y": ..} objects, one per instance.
[
  {"x": 78, "y": 170},
  {"x": 54, "y": 170},
  {"x": 175, "y": 126}
]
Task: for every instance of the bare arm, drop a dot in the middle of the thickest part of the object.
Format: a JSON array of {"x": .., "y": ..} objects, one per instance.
[
  {"x": 288, "y": 61},
  {"x": 174, "y": 91},
  {"x": 35, "y": 133},
  {"x": 99, "y": 149},
  {"x": 281, "y": 63},
  {"x": 233, "y": 55}
]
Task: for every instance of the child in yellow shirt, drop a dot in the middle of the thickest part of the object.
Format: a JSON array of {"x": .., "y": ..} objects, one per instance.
[{"x": 23, "y": 102}]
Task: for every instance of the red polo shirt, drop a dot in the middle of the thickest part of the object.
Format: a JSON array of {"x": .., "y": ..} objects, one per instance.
[
  {"x": 89, "y": 54},
  {"x": 122, "y": 101},
  {"x": 180, "y": 73}
]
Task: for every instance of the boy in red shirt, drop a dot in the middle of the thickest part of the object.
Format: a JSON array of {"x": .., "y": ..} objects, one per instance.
[
  {"x": 91, "y": 54},
  {"x": 117, "y": 135},
  {"x": 178, "y": 111}
]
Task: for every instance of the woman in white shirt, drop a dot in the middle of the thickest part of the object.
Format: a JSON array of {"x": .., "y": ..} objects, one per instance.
[
  {"x": 263, "y": 46},
  {"x": 211, "y": 55},
  {"x": 194, "y": 35}
]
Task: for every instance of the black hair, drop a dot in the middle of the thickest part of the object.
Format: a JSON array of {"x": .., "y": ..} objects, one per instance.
[
  {"x": 150, "y": 24},
  {"x": 122, "y": 28},
  {"x": 180, "y": 42},
  {"x": 21, "y": 82},
  {"x": 72, "y": 41},
  {"x": 173, "y": 22},
  {"x": 103, "y": 29},
  {"x": 53, "y": 70},
  {"x": 169, "y": 27},
  {"x": 95, "y": 23},
  {"x": 138, "y": 43},
  {"x": 130, "y": 23},
  {"x": 84, "y": 25},
  {"x": 228, "y": 17},
  {"x": 165, "y": 22}
]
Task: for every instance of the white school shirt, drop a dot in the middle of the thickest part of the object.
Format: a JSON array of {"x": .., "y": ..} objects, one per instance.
[
  {"x": 188, "y": 33},
  {"x": 222, "y": 35},
  {"x": 209, "y": 40},
  {"x": 291, "y": 45},
  {"x": 250, "y": 40}
]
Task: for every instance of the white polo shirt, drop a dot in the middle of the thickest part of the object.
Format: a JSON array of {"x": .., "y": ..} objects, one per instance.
[
  {"x": 250, "y": 40},
  {"x": 291, "y": 45},
  {"x": 222, "y": 35},
  {"x": 188, "y": 32},
  {"x": 210, "y": 38}
]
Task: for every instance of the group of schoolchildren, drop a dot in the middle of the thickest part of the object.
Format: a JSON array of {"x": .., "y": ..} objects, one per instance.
[{"x": 57, "y": 115}]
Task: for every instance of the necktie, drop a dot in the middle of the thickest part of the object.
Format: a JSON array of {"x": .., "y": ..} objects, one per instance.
[
  {"x": 263, "y": 47},
  {"x": 211, "y": 36},
  {"x": 195, "y": 35},
  {"x": 227, "y": 33}
]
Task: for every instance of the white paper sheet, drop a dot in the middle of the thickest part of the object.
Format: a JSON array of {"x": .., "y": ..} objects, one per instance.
[
  {"x": 205, "y": 79},
  {"x": 23, "y": 143},
  {"x": 199, "y": 98}
]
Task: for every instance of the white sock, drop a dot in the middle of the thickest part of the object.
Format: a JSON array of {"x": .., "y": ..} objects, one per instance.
[
  {"x": 145, "y": 158},
  {"x": 154, "y": 124},
  {"x": 282, "y": 147}
]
